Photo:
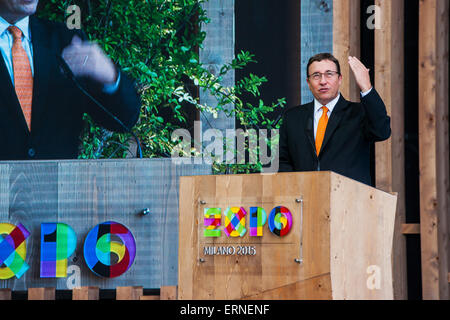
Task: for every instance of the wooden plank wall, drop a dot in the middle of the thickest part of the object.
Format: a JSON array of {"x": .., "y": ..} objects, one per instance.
[
  {"x": 433, "y": 129},
  {"x": 434, "y": 147},
  {"x": 346, "y": 41},
  {"x": 433, "y": 126},
  {"x": 389, "y": 154}
]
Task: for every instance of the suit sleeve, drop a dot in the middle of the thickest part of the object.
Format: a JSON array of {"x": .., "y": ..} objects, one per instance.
[
  {"x": 377, "y": 123},
  {"x": 285, "y": 162},
  {"x": 124, "y": 104}
]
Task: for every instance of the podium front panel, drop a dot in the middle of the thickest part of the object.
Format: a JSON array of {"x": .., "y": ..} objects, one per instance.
[{"x": 241, "y": 266}]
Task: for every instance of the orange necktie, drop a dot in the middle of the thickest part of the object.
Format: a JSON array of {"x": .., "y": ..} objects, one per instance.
[
  {"x": 23, "y": 78},
  {"x": 322, "y": 126}
]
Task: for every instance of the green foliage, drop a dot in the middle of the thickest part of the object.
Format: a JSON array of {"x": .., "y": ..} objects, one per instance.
[{"x": 156, "y": 42}]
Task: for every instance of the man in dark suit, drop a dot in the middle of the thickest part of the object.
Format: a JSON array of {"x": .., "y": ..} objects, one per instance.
[
  {"x": 41, "y": 109},
  {"x": 331, "y": 133}
]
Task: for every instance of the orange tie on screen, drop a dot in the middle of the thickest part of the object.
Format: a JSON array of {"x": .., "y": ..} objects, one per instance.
[
  {"x": 23, "y": 78},
  {"x": 323, "y": 121}
]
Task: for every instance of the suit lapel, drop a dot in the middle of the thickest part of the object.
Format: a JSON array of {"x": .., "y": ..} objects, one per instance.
[
  {"x": 335, "y": 119},
  {"x": 309, "y": 126},
  {"x": 43, "y": 57},
  {"x": 8, "y": 97}
]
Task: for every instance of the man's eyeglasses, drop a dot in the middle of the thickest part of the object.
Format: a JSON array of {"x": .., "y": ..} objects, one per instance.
[{"x": 316, "y": 76}]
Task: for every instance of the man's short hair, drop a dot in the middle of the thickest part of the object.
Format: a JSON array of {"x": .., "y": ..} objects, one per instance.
[{"x": 323, "y": 56}]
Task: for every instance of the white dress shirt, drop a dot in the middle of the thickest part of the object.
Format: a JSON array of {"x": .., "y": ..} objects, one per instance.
[{"x": 330, "y": 105}]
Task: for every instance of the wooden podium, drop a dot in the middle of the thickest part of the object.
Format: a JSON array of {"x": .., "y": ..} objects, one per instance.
[{"x": 339, "y": 245}]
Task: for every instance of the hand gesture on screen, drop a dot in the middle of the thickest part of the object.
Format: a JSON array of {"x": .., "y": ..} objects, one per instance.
[{"x": 86, "y": 59}]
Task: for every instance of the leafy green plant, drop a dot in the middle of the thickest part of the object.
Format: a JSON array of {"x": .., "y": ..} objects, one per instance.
[{"x": 156, "y": 42}]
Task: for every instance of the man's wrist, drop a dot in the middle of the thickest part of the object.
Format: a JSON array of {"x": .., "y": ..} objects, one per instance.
[{"x": 366, "y": 92}]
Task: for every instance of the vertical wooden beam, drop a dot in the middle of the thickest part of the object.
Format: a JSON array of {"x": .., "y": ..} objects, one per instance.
[
  {"x": 5, "y": 294},
  {"x": 434, "y": 147},
  {"x": 389, "y": 154},
  {"x": 346, "y": 41},
  {"x": 169, "y": 293},
  {"x": 129, "y": 293},
  {"x": 86, "y": 293}
]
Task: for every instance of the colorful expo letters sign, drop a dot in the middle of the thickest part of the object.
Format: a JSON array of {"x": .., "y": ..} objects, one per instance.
[
  {"x": 58, "y": 242},
  {"x": 112, "y": 239},
  {"x": 279, "y": 223}
]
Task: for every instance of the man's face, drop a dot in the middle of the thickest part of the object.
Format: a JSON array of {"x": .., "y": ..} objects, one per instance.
[
  {"x": 14, "y": 10},
  {"x": 326, "y": 88}
]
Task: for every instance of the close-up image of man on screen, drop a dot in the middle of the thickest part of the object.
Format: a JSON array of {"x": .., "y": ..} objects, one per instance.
[{"x": 41, "y": 107}]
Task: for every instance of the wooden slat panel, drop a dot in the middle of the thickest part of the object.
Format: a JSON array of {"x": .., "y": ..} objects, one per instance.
[
  {"x": 443, "y": 141},
  {"x": 129, "y": 293},
  {"x": 218, "y": 49},
  {"x": 361, "y": 240},
  {"x": 86, "y": 293},
  {"x": 5, "y": 294},
  {"x": 168, "y": 293},
  {"x": 346, "y": 42},
  {"x": 30, "y": 191},
  {"x": 41, "y": 293},
  {"x": 389, "y": 155},
  {"x": 83, "y": 193},
  {"x": 434, "y": 147},
  {"x": 389, "y": 82}
]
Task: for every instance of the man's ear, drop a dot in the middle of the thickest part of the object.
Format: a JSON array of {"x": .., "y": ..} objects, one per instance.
[{"x": 307, "y": 80}]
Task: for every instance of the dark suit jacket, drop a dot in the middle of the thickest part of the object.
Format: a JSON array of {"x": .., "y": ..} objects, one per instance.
[
  {"x": 352, "y": 128},
  {"x": 58, "y": 105}
]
